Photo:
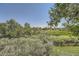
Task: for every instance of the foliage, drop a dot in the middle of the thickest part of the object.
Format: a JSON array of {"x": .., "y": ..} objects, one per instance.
[
  {"x": 64, "y": 40},
  {"x": 34, "y": 45},
  {"x": 36, "y": 31},
  {"x": 22, "y": 47},
  {"x": 68, "y": 12},
  {"x": 17, "y": 40},
  {"x": 3, "y": 29},
  {"x": 27, "y": 29},
  {"x": 13, "y": 29}
]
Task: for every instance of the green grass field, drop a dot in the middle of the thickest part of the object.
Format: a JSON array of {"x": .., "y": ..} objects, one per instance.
[{"x": 65, "y": 51}]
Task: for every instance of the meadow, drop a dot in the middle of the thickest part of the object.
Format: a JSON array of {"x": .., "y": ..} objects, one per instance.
[{"x": 39, "y": 44}]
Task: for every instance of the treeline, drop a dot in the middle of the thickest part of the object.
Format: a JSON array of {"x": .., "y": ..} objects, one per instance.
[{"x": 13, "y": 29}]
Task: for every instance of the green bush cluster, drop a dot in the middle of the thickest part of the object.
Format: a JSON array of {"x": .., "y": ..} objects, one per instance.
[
  {"x": 12, "y": 29},
  {"x": 22, "y": 47},
  {"x": 64, "y": 40}
]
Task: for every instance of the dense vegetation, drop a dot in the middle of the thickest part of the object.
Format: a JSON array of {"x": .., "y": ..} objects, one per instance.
[
  {"x": 12, "y": 29},
  {"x": 67, "y": 12},
  {"x": 17, "y": 40}
]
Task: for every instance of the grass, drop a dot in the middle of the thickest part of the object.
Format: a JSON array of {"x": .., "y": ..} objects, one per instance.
[
  {"x": 58, "y": 32},
  {"x": 65, "y": 51},
  {"x": 62, "y": 38}
]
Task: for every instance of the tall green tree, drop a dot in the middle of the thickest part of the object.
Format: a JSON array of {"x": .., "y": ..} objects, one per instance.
[
  {"x": 27, "y": 29},
  {"x": 3, "y": 29},
  {"x": 68, "y": 12},
  {"x": 14, "y": 29}
]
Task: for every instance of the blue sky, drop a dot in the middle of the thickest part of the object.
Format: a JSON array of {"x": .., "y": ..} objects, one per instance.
[{"x": 35, "y": 14}]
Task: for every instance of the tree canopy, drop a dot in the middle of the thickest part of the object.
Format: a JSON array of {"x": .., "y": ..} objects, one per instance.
[{"x": 68, "y": 12}]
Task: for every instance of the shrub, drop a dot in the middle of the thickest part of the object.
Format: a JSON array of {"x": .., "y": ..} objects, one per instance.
[
  {"x": 64, "y": 40},
  {"x": 22, "y": 47}
]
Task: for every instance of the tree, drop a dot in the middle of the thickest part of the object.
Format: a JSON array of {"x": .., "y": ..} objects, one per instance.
[
  {"x": 27, "y": 29},
  {"x": 69, "y": 12},
  {"x": 14, "y": 29},
  {"x": 3, "y": 29}
]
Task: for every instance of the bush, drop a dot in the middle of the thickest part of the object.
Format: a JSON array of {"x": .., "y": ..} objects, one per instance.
[
  {"x": 64, "y": 40},
  {"x": 22, "y": 47}
]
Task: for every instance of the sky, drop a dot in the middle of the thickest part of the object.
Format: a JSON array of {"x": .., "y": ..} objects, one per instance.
[{"x": 34, "y": 14}]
